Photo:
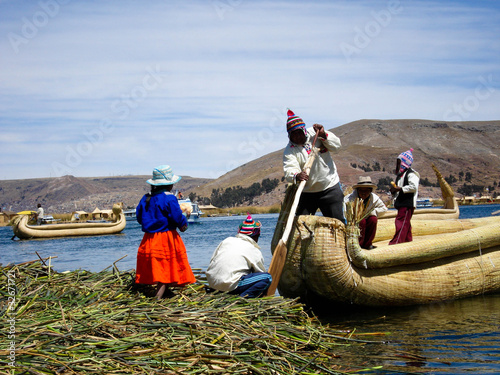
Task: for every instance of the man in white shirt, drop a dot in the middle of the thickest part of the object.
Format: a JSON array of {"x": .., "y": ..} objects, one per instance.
[
  {"x": 39, "y": 214},
  {"x": 237, "y": 265},
  {"x": 322, "y": 189}
]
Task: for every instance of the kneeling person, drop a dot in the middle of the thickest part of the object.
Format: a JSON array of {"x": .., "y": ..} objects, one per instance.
[
  {"x": 368, "y": 226},
  {"x": 237, "y": 265}
]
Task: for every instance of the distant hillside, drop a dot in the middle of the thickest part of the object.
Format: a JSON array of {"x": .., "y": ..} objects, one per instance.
[
  {"x": 69, "y": 193},
  {"x": 369, "y": 147},
  {"x": 454, "y": 147}
]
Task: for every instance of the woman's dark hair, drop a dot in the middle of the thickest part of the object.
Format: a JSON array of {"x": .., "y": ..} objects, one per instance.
[{"x": 157, "y": 189}]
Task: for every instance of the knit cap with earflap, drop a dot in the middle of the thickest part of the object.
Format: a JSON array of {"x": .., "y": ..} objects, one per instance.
[
  {"x": 249, "y": 226},
  {"x": 406, "y": 159},
  {"x": 294, "y": 122}
]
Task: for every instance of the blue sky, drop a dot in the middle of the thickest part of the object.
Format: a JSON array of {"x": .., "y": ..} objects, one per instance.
[{"x": 94, "y": 88}]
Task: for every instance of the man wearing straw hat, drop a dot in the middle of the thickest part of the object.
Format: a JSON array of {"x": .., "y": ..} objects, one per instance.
[
  {"x": 322, "y": 189},
  {"x": 363, "y": 190},
  {"x": 237, "y": 265}
]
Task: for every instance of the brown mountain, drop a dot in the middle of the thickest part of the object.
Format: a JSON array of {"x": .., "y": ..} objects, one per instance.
[
  {"x": 456, "y": 148},
  {"x": 69, "y": 193}
]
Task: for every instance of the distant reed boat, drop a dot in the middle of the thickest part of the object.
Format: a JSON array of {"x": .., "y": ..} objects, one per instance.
[{"x": 23, "y": 230}]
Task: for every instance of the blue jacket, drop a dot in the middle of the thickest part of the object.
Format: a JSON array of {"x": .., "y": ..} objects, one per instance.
[{"x": 161, "y": 214}]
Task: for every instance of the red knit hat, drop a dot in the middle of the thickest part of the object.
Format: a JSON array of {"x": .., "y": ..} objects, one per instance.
[
  {"x": 294, "y": 122},
  {"x": 249, "y": 226}
]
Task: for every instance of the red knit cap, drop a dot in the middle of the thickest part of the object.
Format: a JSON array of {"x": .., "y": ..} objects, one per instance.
[
  {"x": 294, "y": 122},
  {"x": 249, "y": 226}
]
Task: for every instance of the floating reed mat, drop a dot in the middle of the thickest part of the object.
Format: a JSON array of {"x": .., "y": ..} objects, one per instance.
[{"x": 81, "y": 322}]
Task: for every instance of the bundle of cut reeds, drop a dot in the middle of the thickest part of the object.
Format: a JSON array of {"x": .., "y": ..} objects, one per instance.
[
  {"x": 86, "y": 323},
  {"x": 355, "y": 211}
]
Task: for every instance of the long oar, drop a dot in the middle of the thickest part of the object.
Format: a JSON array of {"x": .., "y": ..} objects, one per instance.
[{"x": 279, "y": 255}]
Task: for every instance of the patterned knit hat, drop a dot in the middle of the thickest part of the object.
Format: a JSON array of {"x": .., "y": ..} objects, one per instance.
[
  {"x": 249, "y": 226},
  {"x": 406, "y": 159},
  {"x": 294, "y": 122}
]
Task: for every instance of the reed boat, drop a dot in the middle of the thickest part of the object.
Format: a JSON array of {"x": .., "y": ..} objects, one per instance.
[
  {"x": 447, "y": 259},
  {"x": 23, "y": 230}
]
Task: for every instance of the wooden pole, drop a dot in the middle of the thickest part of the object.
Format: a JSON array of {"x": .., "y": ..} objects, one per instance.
[{"x": 279, "y": 254}]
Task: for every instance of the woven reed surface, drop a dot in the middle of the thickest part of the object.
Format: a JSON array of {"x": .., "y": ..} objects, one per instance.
[
  {"x": 298, "y": 276},
  {"x": 386, "y": 228},
  {"x": 427, "y": 248},
  {"x": 427, "y": 214}
]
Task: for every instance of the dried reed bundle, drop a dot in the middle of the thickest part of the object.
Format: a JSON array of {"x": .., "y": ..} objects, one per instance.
[
  {"x": 358, "y": 210},
  {"x": 187, "y": 208}
]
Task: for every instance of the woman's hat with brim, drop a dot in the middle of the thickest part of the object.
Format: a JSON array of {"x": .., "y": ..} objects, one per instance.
[
  {"x": 365, "y": 182},
  {"x": 163, "y": 175}
]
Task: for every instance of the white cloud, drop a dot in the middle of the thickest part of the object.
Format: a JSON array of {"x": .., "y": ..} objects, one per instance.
[{"x": 218, "y": 79}]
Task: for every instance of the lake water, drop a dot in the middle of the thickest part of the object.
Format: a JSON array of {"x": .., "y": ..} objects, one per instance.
[{"x": 457, "y": 337}]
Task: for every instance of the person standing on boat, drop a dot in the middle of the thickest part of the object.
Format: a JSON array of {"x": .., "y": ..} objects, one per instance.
[
  {"x": 237, "y": 265},
  {"x": 404, "y": 192},
  {"x": 39, "y": 214},
  {"x": 322, "y": 189},
  {"x": 162, "y": 257},
  {"x": 363, "y": 190}
]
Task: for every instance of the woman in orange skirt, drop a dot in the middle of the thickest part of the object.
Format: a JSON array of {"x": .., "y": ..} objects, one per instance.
[{"x": 162, "y": 257}]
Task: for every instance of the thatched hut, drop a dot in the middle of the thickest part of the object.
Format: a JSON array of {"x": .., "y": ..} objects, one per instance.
[
  {"x": 79, "y": 215},
  {"x": 96, "y": 214}
]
